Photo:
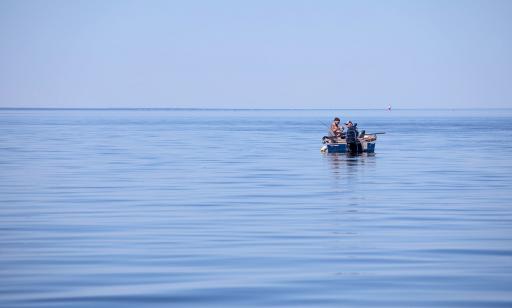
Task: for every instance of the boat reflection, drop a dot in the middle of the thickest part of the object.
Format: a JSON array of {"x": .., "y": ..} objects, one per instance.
[
  {"x": 339, "y": 161},
  {"x": 349, "y": 170}
]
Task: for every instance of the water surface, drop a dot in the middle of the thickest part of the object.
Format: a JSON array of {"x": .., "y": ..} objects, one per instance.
[{"x": 238, "y": 208}]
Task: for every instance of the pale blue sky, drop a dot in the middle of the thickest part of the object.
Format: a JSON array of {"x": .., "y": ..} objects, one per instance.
[{"x": 256, "y": 54}]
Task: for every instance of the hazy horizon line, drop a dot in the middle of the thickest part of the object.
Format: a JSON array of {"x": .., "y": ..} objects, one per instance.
[{"x": 227, "y": 108}]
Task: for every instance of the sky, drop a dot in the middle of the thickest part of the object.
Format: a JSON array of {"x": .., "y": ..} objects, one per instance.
[{"x": 256, "y": 54}]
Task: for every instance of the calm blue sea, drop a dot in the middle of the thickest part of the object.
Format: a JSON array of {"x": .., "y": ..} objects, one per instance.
[{"x": 238, "y": 208}]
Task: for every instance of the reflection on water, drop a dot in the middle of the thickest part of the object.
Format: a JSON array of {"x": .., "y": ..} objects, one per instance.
[
  {"x": 145, "y": 207},
  {"x": 348, "y": 172},
  {"x": 338, "y": 160}
]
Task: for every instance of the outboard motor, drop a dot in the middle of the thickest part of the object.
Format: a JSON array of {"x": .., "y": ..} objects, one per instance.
[{"x": 354, "y": 147}]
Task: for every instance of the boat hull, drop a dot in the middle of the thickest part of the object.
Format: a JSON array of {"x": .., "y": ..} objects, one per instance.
[{"x": 367, "y": 147}]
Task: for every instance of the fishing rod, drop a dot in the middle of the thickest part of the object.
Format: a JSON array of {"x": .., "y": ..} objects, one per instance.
[
  {"x": 355, "y": 124},
  {"x": 323, "y": 123}
]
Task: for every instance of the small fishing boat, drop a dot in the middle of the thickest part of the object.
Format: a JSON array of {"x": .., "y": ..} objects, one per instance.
[{"x": 365, "y": 144}]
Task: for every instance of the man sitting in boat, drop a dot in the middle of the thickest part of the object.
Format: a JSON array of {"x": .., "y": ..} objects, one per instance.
[{"x": 336, "y": 130}]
